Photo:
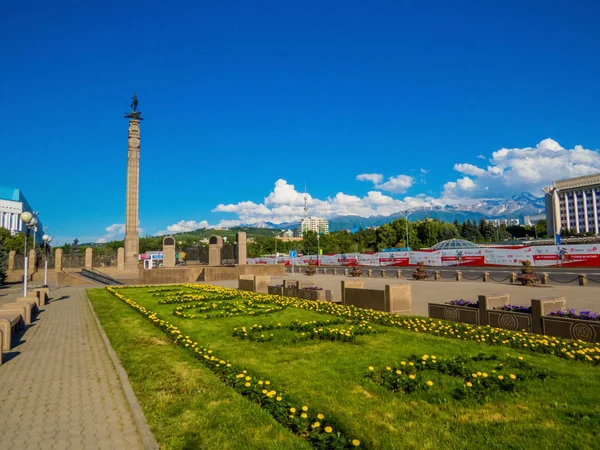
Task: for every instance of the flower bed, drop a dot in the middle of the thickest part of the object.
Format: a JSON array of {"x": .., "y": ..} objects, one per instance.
[
  {"x": 581, "y": 315},
  {"x": 301, "y": 420},
  {"x": 479, "y": 378},
  {"x": 557, "y": 346}
]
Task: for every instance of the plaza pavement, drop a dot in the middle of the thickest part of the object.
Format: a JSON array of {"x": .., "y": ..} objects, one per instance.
[
  {"x": 59, "y": 386},
  {"x": 423, "y": 292}
]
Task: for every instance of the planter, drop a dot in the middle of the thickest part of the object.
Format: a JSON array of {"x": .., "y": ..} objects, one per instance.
[
  {"x": 585, "y": 330},
  {"x": 311, "y": 294},
  {"x": 290, "y": 291},
  {"x": 509, "y": 320},
  {"x": 464, "y": 314},
  {"x": 275, "y": 290}
]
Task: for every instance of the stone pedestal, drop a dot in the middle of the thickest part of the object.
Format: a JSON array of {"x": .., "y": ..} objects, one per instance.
[
  {"x": 458, "y": 276},
  {"x": 11, "y": 260},
  {"x": 215, "y": 245},
  {"x": 241, "y": 248},
  {"x": 169, "y": 252},
  {"x": 120, "y": 258},
  {"x": 58, "y": 254},
  {"x": 31, "y": 262},
  {"x": 89, "y": 258},
  {"x": 132, "y": 239}
]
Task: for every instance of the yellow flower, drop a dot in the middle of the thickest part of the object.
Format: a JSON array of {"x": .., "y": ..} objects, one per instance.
[
  {"x": 305, "y": 408},
  {"x": 278, "y": 399},
  {"x": 267, "y": 382},
  {"x": 429, "y": 383},
  {"x": 403, "y": 363},
  {"x": 328, "y": 429},
  {"x": 247, "y": 384},
  {"x": 292, "y": 410},
  {"x": 388, "y": 368},
  {"x": 484, "y": 375},
  {"x": 260, "y": 382},
  {"x": 500, "y": 377},
  {"x": 474, "y": 375},
  {"x": 371, "y": 368},
  {"x": 512, "y": 377},
  {"x": 316, "y": 425},
  {"x": 411, "y": 376},
  {"x": 320, "y": 416},
  {"x": 248, "y": 378},
  {"x": 469, "y": 384},
  {"x": 304, "y": 416},
  {"x": 355, "y": 442},
  {"x": 398, "y": 372}
]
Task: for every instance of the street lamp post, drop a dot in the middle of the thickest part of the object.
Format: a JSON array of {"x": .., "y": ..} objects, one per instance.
[
  {"x": 47, "y": 239},
  {"x": 30, "y": 221},
  {"x": 318, "y": 248},
  {"x": 406, "y": 214}
]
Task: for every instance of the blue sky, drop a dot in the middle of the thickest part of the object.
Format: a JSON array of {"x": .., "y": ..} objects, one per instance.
[{"x": 375, "y": 106}]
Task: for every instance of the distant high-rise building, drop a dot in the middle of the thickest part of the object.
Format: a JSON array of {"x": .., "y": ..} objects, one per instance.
[
  {"x": 573, "y": 204},
  {"x": 317, "y": 224}
]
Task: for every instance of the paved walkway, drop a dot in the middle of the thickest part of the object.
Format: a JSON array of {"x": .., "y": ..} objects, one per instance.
[{"x": 58, "y": 386}]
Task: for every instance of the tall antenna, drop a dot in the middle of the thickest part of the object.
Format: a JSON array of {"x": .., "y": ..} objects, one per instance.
[{"x": 305, "y": 209}]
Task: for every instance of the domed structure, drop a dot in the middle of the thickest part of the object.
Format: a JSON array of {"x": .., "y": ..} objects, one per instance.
[{"x": 454, "y": 244}]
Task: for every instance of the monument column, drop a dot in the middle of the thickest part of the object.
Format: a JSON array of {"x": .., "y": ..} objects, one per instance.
[{"x": 132, "y": 239}]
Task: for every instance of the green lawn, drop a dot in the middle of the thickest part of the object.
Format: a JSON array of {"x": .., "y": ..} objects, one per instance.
[{"x": 190, "y": 405}]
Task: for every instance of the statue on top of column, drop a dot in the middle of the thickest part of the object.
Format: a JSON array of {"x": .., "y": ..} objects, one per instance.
[{"x": 134, "y": 113}]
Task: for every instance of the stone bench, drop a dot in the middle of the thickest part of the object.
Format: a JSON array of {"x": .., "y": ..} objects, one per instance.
[
  {"x": 32, "y": 302},
  {"x": 22, "y": 308},
  {"x": 254, "y": 283},
  {"x": 10, "y": 320},
  {"x": 395, "y": 298}
]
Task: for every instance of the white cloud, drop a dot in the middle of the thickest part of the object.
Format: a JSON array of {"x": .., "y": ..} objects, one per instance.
[
  {"x": 374, "y": 178},
  {"x": 469, "y": 169},
  {"x": 465, "y": 183},
  {"x": 275, "y": 210},
  {"x": 397, "y": 185},
  {"x": 516, "y": 170},
  {"x": 113, "y": 232}
]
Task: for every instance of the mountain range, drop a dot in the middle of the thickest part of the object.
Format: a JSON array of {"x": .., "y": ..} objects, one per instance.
[{"x": 511, "y": 208}]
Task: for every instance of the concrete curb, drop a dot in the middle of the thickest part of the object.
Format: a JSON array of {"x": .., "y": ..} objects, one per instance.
[{"x": 136, "y": 410}]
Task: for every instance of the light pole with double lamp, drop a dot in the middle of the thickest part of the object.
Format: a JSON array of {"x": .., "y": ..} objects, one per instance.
[
  {"x": 47, "y": 239},
  {"x": 30, "y": 221}
]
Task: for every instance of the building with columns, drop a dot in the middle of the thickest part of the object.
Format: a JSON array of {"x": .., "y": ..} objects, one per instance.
[
  {"x": 12, "y": 204},
  {"x": 573, "y": 204}
]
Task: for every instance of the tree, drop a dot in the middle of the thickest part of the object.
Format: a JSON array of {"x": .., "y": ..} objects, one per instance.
[
  {"x": 3, "y": 261},
  {"x": 487, "y": 230}
]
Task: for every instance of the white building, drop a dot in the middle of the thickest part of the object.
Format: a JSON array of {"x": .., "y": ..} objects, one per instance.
[
  {"x": 573, "y": 204},
  {"x": 507, "y": 222},
  {"x": 12, "y": 204},
  {"x": 317, "y": 224},
  {"x": 533, "y": 220}
]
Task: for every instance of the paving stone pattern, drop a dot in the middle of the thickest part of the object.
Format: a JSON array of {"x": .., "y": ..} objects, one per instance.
[{"x": 58, "y": 386}]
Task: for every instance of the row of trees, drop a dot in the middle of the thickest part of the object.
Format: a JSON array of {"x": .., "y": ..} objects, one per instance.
[{"x": 421, "y": 234}]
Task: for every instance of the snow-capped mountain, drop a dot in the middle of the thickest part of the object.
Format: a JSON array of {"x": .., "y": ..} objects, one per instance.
[{"x": 511, "y": 208}]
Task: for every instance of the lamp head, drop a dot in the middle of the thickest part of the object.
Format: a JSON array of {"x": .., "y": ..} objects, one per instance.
[
  {"x": 26, "y": 217},
  {"x": 46, "y": 238}
]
